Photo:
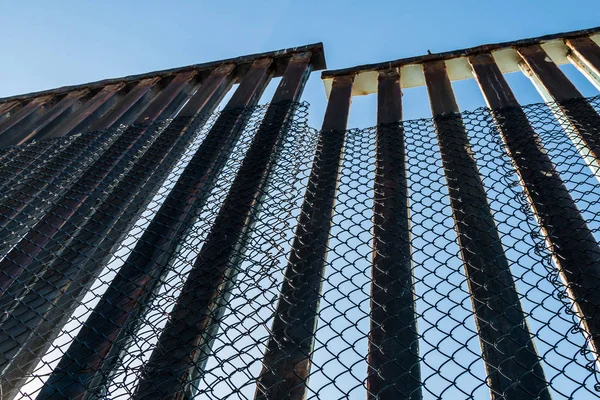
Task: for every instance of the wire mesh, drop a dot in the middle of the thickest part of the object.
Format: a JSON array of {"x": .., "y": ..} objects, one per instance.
[{"x": 47, "y": 301}]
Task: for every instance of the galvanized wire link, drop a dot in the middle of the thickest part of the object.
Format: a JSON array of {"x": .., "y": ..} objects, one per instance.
[{"x": 55, "y": 278}]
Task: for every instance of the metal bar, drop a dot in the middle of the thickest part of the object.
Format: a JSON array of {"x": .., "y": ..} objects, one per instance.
[
  {"x": 93, "y": 186},
  {"x": 26, "y": 204},
  {"x": 186, "y": 340},
  {"x": 286, "y": 365},
  {"x": 61, "y": 129},
  {"x": 280, "y": 58},
  {"x": 141, "y": 93},
  {"x": 48, "y": 306},
  {"x": 585, "y": 55},
  {"x": 575, "y": 250},
  {"x": 8, "y": 108},
  {"x": 32, "y": 110},
  {"x": 393, "y": 361},
  {"x": 512, "y": 364},
  {"x": 106, "y": 95},
  {"x": 57, "y": 113},
  {"x": 84, "y": 368},
  {"x": 579, "y": 119}
]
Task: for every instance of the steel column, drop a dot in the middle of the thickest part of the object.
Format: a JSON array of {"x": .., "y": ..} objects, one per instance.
[
  {"x": 13, "y": 125},
  {"x": 48, "y": 306},
  {"x": 83, "y": 369},
  {"x": 512, "y": 364},
  {"x": 101, "y": 101},
  {"x": 286, "y": 365},
  {"x": 185, "y": 343},
  {"x": 9, "y": 108},
  {"x": 578, "y": 117},
  {"x": 125, "y": 110},
  {"x": 585, "y": 55},
  {"x": 59, "y": 112},
  {"x": 76, "y": 204},
  {"x": 393, "y": 362},
  {"x": 575, "y": 250}
]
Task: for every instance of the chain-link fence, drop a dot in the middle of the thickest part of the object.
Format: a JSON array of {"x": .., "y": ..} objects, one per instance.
[{"x": 113, "y": 283}]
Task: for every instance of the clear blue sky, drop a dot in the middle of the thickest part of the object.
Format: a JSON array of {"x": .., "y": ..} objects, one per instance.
[{"x": 50, "y": 44}]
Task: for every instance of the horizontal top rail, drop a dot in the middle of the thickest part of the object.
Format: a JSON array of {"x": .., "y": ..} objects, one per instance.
[
  {"x": 280, "y": 59},
  {"x": 505, "y": 54}
]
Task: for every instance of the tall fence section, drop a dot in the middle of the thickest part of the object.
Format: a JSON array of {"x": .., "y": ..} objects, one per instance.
[{"x": 153, "y": 247}]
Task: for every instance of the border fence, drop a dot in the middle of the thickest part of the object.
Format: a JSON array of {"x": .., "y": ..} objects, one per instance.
[{"x": 153, "y": 247}]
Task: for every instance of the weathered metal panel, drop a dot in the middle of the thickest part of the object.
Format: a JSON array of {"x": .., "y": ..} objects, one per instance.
[
  {"x": 68, "y": 278},
  {"x": 286, "y": 365},
  {"x": 186, "y": 340},
  {"x": 393, "y": 361},
  {"x": 580, "y": 120},
  {"x": 507, "y": 348}
]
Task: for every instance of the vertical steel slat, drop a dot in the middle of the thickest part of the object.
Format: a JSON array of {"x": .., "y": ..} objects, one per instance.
[
  {"x": 286, "y": 365},
  {"x": 26, "y": 203},
  {"x": 193, "y": 323},
  {"x": 580, "y": 120},
  {"x": 48, "y": 306},
  {"x": 513, "y": 366},
  {"x": 575, "y": 250},
  {"x": 35, "y": 176},
  {"x": 58, "y": 112},
  {"x": 21, "y": 118},
  {"x": 393, "y": 359},
  {"x": 85, "y": 366},
  {"x": 139, "y": 95},
  {"x": 8, "y": 108},
  {"x": 104, "y": 96},
  {"x": 585, "y": 55},
  {"x": 93, "y": 186}
]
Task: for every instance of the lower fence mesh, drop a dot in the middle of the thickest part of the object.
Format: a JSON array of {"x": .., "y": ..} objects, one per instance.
[{"x": 85, "y": 301}]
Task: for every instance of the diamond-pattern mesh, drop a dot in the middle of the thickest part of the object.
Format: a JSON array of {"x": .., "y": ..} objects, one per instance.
[{"x": 54, "y": 277}]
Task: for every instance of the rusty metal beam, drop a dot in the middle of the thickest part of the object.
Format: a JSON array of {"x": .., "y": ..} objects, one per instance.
[
  {"x": 12, "y": 126},
  {"x": 58, "y": 113},
  {"x": 286, "y": 365},
  {"x": 9, "y": 108},
  {"x": 137, "y": 98},
  {"x": 102, "y": 100},
  {"x": 94, "y": 185},
  {"x": 579, "y": 119},
  {"x": 73, "y": 271},
  {"x": 279, "y": 57},
  {"x": 185, "y": 343},
  {"x": 84, "y": 368},
  {"x": 585, "y": 55},
  {"x": 511, "y": 360},
  {"x": 575, "y": 250},
  {"x": 393, "y": 361}
]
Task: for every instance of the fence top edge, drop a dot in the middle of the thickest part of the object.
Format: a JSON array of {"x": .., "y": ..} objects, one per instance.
[
  {"x": 486, "y": 48},
  {"x": 280, "y": 60}
]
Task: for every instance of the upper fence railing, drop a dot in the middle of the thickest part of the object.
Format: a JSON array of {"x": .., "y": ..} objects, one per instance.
[{"x": 575, "y": 250}]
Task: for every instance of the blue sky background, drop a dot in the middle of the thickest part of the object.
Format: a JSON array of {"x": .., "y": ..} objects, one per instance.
[{"x": 68, "y": 42}]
